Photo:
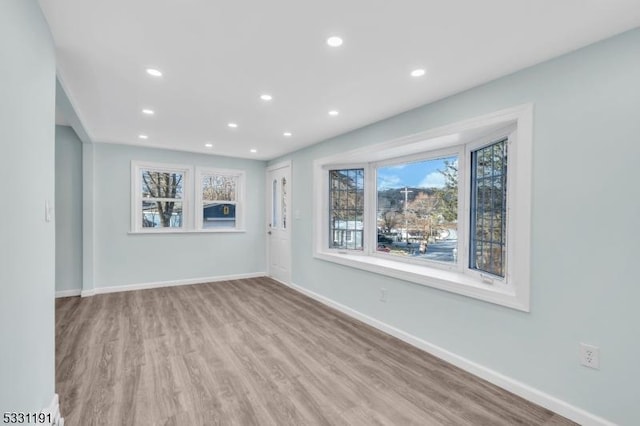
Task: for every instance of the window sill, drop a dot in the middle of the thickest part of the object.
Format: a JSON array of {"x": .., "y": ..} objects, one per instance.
[
  {"x": 451, "y": 281},
  {"x": 194, "y": 231}
]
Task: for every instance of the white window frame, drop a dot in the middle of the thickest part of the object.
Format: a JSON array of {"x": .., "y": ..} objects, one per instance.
[
  {"x": 514, "y": 290},
  {"x": 136, "y": 196},
  {"x": 239, "y": 202},
  {"x": 490, "y": 139},
  {"x": 341, "y": 166}
]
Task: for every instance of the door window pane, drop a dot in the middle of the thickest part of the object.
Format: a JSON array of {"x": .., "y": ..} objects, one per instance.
[
  {"x": 274, "y": 203},
  {"x": 284, "y": 203}
]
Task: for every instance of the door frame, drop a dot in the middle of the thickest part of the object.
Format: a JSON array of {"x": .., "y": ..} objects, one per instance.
[{"x": 267, "y": 206}]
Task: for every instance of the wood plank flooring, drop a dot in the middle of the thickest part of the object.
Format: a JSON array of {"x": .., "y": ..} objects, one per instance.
[{"x": 254, "y": 352}]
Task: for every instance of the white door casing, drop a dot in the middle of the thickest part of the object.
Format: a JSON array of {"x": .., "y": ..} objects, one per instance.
[{"x": 278, "y": 224}]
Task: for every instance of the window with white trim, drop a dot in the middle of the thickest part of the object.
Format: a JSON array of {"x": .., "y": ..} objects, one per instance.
[
  {"x": 169, "y": 198},
  {"x": 346, "y": 205},
  {"x": 488, "y": 208},
  {"x": 448, "y": 208},
  {"x": 160, "y": 197},
  {"x": 220, "y": 199},
  {"x": 417, "y": 207}
]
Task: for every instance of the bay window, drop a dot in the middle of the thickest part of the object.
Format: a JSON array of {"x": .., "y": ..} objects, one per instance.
[{"x": 448, "y": 208}]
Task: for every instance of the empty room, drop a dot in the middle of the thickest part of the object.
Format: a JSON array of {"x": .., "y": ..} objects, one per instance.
[{"x": 319, "y": 213}]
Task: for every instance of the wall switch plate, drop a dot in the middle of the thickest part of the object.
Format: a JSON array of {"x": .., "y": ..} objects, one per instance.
[
  {"x": 590, "y": 356},
  {"x": 48, "y": 211},
  {"x": 383, "y": 294}
]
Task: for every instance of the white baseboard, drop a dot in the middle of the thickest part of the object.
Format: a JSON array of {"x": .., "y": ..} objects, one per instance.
[
  {"x": 523, "y": 390},
  {"x": 54, "y": 410},
  {"x": 173, "y": 283},
  {"x": 281, "y": 282},
  {"x": 87, "y": 293},
  {"x": 68, "y": 293}
]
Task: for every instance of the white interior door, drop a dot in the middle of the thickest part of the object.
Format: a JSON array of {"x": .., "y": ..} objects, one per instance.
[{"x": 279, "y": 221}]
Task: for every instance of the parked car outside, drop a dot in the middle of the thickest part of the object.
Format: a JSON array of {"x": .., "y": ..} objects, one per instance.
[{"x": 384, "y": 239}]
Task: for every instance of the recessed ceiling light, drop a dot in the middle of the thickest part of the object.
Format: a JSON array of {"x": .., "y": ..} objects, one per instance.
[
  {"x": 143, "y": 136},
  {"x": 266, "y": 97},
  {"x": 208, "y": 145},
  {"x": 333, "y": 113},
  {"x": 232, "y": 125},
  {"x": 418, "y": 72},
  {"x": 253, "y": 151},
  {"x": 148, "y": 111},
  {"x": 154, "y": 72},
  {"x": 287, "y": 134},
  {"x": 334, "y": 41}
]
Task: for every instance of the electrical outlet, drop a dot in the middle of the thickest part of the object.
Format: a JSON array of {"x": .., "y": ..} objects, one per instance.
[
  {"x": 590, "y": 356},
  {"x": 383, "y": 294}
]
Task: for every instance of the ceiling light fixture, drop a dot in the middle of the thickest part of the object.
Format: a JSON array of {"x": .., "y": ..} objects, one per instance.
[
  {"x": 143, "y": 136},
  {"x": 208, "y": 145},
  {"x": 253, "y": 151},
  {"x": 266, "y": 97},
  {"x": 287, "y": 134},
  {"x": 154, "y": 72},
  {"x": 334, "y": 41},
  {"x": 418, "y": 72},
  {"x": 333, "y": 113},
  {"x": 148, "y": 111},
  {"x": 232, "y": 125}
]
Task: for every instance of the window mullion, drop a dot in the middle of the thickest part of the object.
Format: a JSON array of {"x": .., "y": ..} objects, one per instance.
[
  {"x": 464, "y": 231},
  {"x": 370, "y": 225}
]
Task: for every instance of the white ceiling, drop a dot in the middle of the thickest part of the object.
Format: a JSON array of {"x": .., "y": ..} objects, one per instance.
[{"x": 218, "y": 57}]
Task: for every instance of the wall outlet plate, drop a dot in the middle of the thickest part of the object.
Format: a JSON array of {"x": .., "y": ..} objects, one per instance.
[{"x": 590, "y": 356}]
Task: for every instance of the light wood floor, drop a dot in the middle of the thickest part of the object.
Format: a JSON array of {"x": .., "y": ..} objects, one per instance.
[{"x": 253, "y": 352}]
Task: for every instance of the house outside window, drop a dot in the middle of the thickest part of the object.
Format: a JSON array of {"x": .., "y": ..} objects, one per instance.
[{"x": 219, "y": 199}]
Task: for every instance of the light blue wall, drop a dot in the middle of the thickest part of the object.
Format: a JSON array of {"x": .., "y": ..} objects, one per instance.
[
  {"x": 68, "y": 210},
  {"x": 586, "y": 206},
  {"x": 121, "y": 258},
  {"x": 27, "y": 242},
  {"x": 64, "y": 106}
]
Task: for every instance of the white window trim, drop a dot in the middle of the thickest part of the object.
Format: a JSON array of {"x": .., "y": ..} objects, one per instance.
[
  {"x": 136, "y": 196},
  {"x": 240, "y": 201},
  {"x": 515, "y": 291}
]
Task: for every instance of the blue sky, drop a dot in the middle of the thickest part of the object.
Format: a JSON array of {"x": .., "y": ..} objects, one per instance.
[{"x": 423, "y": 174}]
